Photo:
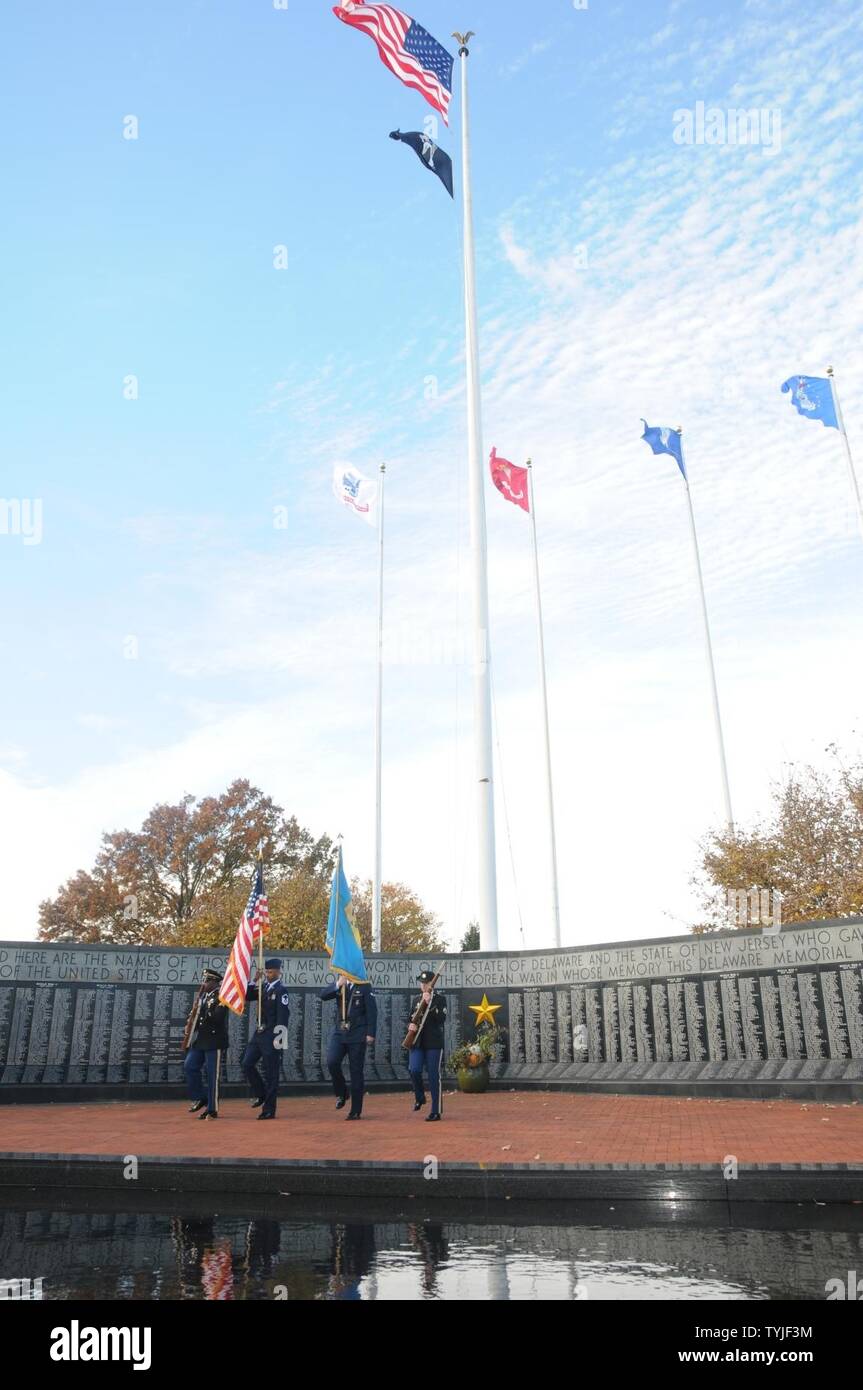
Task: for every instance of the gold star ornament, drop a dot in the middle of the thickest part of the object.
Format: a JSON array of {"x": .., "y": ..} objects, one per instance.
[{"x": 485, "y": 1011}]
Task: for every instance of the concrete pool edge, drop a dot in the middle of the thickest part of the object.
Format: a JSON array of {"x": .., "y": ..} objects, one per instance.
[{"x": 662, "y": 1182}]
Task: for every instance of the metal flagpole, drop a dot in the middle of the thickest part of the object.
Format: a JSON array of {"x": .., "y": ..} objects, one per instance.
[
  {"x": 851, "y": 473},
  {"x": 548, "y": 777},
  {"x": 482, "y": 653},
  {"x": 376, "y": 900},
  {"x": 260, "y": 939},
  {"x": 709, "y": 646},
  {"x": 336, "y": 928}
]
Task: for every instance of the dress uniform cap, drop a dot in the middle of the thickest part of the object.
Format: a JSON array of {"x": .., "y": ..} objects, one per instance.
[
  {"x": 425, "y": 977},
  {"x": 212, "y": 974},
  {"x": 273, "y": 963}
]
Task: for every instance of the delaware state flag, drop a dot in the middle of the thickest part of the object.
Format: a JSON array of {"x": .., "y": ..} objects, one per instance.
[{"x": 343, "y": 938}]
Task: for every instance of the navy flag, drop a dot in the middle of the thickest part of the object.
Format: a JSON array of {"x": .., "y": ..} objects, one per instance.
[
  {"x": 664, "y": 441},
  {"x": 430, "y": 154}
]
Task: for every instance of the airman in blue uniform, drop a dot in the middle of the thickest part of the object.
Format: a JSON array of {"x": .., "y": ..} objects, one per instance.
[
  {"x": 208, "y": 1042},
  {"x": 264, "y": 1045},
  {"x": 349, "y": 1038}
]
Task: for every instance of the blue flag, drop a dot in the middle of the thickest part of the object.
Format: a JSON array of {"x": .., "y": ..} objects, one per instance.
[
  {"x": 813, "y": 397},
  {"x": 664, "y": 441},
  {"x": 343, "y": 938}
]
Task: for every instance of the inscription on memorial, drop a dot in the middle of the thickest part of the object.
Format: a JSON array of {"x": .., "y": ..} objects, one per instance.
[
  {"x": 564, "y": 1025},
  {"x": 738, "y": 1004},
  {"x": 611, "y": 1016},
  {"x": 812, "y": 1014}
]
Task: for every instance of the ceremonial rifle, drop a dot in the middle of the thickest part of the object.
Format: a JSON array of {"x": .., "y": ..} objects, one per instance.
[
  {"x": 192, "y": 1020},
  {"x": 420, "y": 1014}
]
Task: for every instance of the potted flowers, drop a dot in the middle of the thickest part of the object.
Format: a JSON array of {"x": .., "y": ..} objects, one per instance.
[{"x": 470, "y": 1060}]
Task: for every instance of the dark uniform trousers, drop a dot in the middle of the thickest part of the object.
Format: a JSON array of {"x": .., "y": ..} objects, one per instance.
[
  {"x": 261, "y": 1047},
  {"x": 362, "y": 1017},
  {"x": 429, "y": 1053},
  {"x": 199, "y": 1063},
  {"x": 209, "y": 1045}
]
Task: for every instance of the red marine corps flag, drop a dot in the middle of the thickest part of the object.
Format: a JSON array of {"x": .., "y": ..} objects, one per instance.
[{"x": 510, "y": 480}]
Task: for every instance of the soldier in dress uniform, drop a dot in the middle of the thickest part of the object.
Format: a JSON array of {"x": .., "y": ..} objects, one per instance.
[
  {"x": 350, "y": 1037},
  {"x": 264, "y": 1045},
  {"x": 427, "y": 1045},
  {"x": 207, "y": 1042}
]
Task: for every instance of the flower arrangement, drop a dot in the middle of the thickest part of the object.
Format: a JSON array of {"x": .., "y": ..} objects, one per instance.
[{"x": 480, "y": 1050}]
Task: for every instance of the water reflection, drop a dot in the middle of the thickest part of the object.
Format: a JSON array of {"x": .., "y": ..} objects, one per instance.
[{"x": 175, "y": 1249}]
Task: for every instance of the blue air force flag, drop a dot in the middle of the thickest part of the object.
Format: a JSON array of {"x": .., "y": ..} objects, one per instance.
[
  {"x": 664, "y": 441},
  {"x": 812, "y": 396},
  {"x": 430, "y": 154},
  {"x": 343, "y": 938},
  {"x": 356, "y": 492}
]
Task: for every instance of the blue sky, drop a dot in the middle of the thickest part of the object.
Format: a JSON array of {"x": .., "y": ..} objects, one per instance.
[{"x": 620, "y": 274}]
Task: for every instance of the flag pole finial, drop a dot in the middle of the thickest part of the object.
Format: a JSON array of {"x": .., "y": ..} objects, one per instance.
[
  {"x": 829, "y": 371},
  {"x": 464, "y": 40}
]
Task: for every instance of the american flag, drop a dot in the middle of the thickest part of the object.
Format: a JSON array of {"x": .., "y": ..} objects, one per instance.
[
  {"x": 256, "y": 921},
  {"x": 217, "y": 1273},
  {"x": 406, "y": 47}
]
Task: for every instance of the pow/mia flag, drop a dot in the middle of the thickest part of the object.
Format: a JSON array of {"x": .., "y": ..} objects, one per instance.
[{"x": 430, "y": 154}]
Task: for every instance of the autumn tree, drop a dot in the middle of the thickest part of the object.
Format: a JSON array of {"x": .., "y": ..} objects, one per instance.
[
  {"x": 809, "y": 850},
  {"x": 298, "y": 903},
  {"x": 183, "y": 878},
  {"x": 406, "y": 925}
]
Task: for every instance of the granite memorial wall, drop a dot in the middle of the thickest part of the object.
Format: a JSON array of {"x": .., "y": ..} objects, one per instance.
[{"x": 733, "y": 1006}]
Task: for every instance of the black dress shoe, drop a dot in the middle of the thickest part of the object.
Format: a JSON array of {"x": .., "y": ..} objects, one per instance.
[
  {"x": 199, "y": 1104},
  {"x": 418, "y": 1104},
  {"x": 255, "y": 1103},
  {"x": 353, "y": 1116},
  {"x": 209, "y": 1115},
  {"x": 264, "y": 1115},
  {"x": 435, "y": 1115},
  {"x": 340, "y": 1104}
]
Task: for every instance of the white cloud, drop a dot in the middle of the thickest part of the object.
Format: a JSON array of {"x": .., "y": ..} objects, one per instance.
[
  {"x": 521, "y": 62},
  {"x": 100, "y": 723}
]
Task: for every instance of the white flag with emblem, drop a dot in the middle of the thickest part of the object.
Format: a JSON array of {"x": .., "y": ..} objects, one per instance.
[{"x": 356, "y": 492}]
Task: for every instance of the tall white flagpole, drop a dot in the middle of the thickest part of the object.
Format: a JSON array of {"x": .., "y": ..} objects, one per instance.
[
  {"x": 855, "y": 488},
  {"x": 482, "y": 653},
  {"x": 548, "y": 777},
  {"x": 376, "y": 897},
  {"x": 729, "y": 818}
]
